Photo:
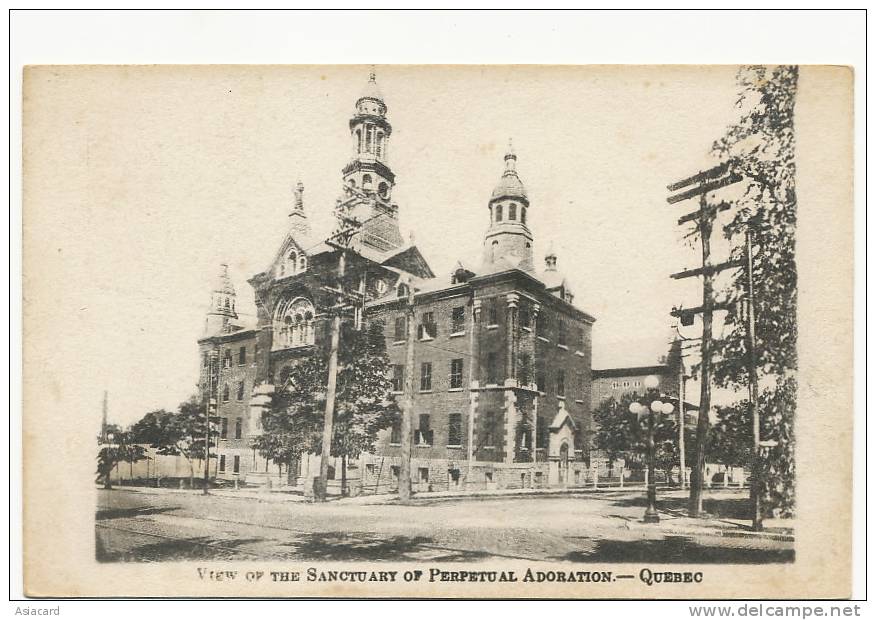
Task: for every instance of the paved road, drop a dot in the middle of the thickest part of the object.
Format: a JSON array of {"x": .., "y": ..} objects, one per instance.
[{"x": 136, "y": 526}]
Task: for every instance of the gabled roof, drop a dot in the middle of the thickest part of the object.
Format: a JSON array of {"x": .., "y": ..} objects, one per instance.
[{"x": 561, "y": 418}]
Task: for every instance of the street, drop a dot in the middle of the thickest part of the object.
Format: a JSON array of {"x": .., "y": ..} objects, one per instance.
[{"x": 154, "y": 526}]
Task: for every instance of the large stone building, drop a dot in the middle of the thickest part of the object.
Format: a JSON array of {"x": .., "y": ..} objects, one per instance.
[{"x": 501, "y": 350}]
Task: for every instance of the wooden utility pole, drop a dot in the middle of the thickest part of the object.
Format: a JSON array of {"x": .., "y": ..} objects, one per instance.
[
  {"x": 404, "y": 475},
  {"x": 681, "y": 464},
  {"x": 703, "y": 182},
  {"x": 756, "y": 474},
  {"x": 320, "y": 484},
  {"x": 214, "y": 356},
  {"x": 695, "y": 504}
]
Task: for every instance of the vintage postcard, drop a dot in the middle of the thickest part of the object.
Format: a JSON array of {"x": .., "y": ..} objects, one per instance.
[{"x": 437, "y": 331}]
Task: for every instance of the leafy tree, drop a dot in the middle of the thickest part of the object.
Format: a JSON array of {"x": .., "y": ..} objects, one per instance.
[
  {"x": 761, "y": 146},
  {"x": 364, "y": 404},
  {"x": 621, "y": 434},
  {"x": 122, "y": 448},
  {"x": 731, "y": 442},
  {"x": 182, "y": 432}
]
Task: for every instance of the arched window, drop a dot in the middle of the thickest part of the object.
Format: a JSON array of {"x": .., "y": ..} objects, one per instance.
[
  {"x": 294, "y": 323},
  {"x": 512, "y": 211},
  {"x": 498, "y": 213},
  {"x": 366, "y": 181},
  {"x": 368, "y": 145},
  {"x": 494, "y": 248},
  {"x": 522, "y": 215},
  {"x": 302, "y": 263},
  {"x": 383, "y": 190},
  {"x": 358, "y": 140},
  {"x": 402, "y": 291},
  {"x": 379, "y": 144}
]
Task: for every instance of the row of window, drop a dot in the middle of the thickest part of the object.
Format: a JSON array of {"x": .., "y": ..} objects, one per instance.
[
  {"x": 625, "y": 384},
  {"x": 235, "y": 464},
  {"x": 427, "y": 329},
  {"x": 226, "y": 391},
  {"x": 223, "y": 428},
  {"x": 228, "y": 357},
  {"x": 497, "y": 213},
  {"x": 424, "y": 435},
  {"x": 492, "y": 371}
]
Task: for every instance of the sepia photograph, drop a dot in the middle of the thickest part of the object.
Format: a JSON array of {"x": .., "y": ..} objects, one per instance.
[{"x": 437, "y": 331}]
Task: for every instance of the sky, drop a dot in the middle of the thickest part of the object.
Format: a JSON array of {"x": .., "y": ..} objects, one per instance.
[{"x": 140, "y": 181}]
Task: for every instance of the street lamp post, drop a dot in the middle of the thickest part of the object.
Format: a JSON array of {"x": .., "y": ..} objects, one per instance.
[{"x": 656, "y": 407}]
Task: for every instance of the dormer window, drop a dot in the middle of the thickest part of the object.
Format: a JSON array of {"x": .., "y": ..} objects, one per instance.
[{"x": 402, "y": 291}]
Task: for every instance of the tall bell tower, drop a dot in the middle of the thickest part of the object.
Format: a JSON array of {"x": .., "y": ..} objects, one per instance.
[
  {"x": 368, "y": 174},
  {"x": 508, "y": 237}
]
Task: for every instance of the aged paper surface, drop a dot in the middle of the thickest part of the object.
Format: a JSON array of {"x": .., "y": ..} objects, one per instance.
[{"x": 140, "y": 181}]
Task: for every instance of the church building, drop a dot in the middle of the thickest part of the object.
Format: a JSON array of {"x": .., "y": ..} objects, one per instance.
[{"x": 502, "y": 370}]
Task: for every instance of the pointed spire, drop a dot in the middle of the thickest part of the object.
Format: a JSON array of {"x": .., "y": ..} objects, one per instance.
[{"x": 299, "y": 196}]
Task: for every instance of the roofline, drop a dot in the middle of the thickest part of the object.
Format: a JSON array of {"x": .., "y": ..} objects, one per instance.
[{"x": 630, "y": 370}]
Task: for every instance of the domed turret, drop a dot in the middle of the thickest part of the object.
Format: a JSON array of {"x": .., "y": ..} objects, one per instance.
[
  {"x": 510, "y": 185},
  {"x": 508, "y": 236}
]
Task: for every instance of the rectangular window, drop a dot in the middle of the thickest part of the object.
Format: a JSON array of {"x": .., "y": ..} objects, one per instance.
[
  {"x": 221, "y": 462},
  {"x": 398, "y": 378},
  {"x": 396, "y": 471},
  {"x": 492, "y": 312},
  {"x": 255, "y": 350},
  {"x": 369, "y": 469},
  {"x": 223, "y": 428},
  {"x": 206, "y": 359},
  {"x": 226, "y": 360},
  {"x": 424, "y": 432},
  {"x": 456, "y": 374},
  {"x": 540, "y": 381},
  {"x": 561, "y": 382},
  {"x": 238, "y": 428},
  {"x": 395, "y": 434},
  {"x": 457, "y": 319},
  {"x": 236, "y": 469},
  {"x": 428, "y": 328},
  {"x": 241, "y": 356},
  {"x": 525, "y": 373},
  {"x": 524, "y": 316},
  {"x": 425, "y": 376},
  {"x": 401, "y": 333},
  {"x": 580, "y": 337},
  {"x": 424, "y": 474},
  {"x": 561, "y": 333},
  {"x": 541, "y": 326},
  {"x": 240, "y": 390},
  {"x": 454, "y": 430},
  {"x": 490, "y": 430},
  {"x": 492, "y": 368},
  {"x": 225, "y": 393}
]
